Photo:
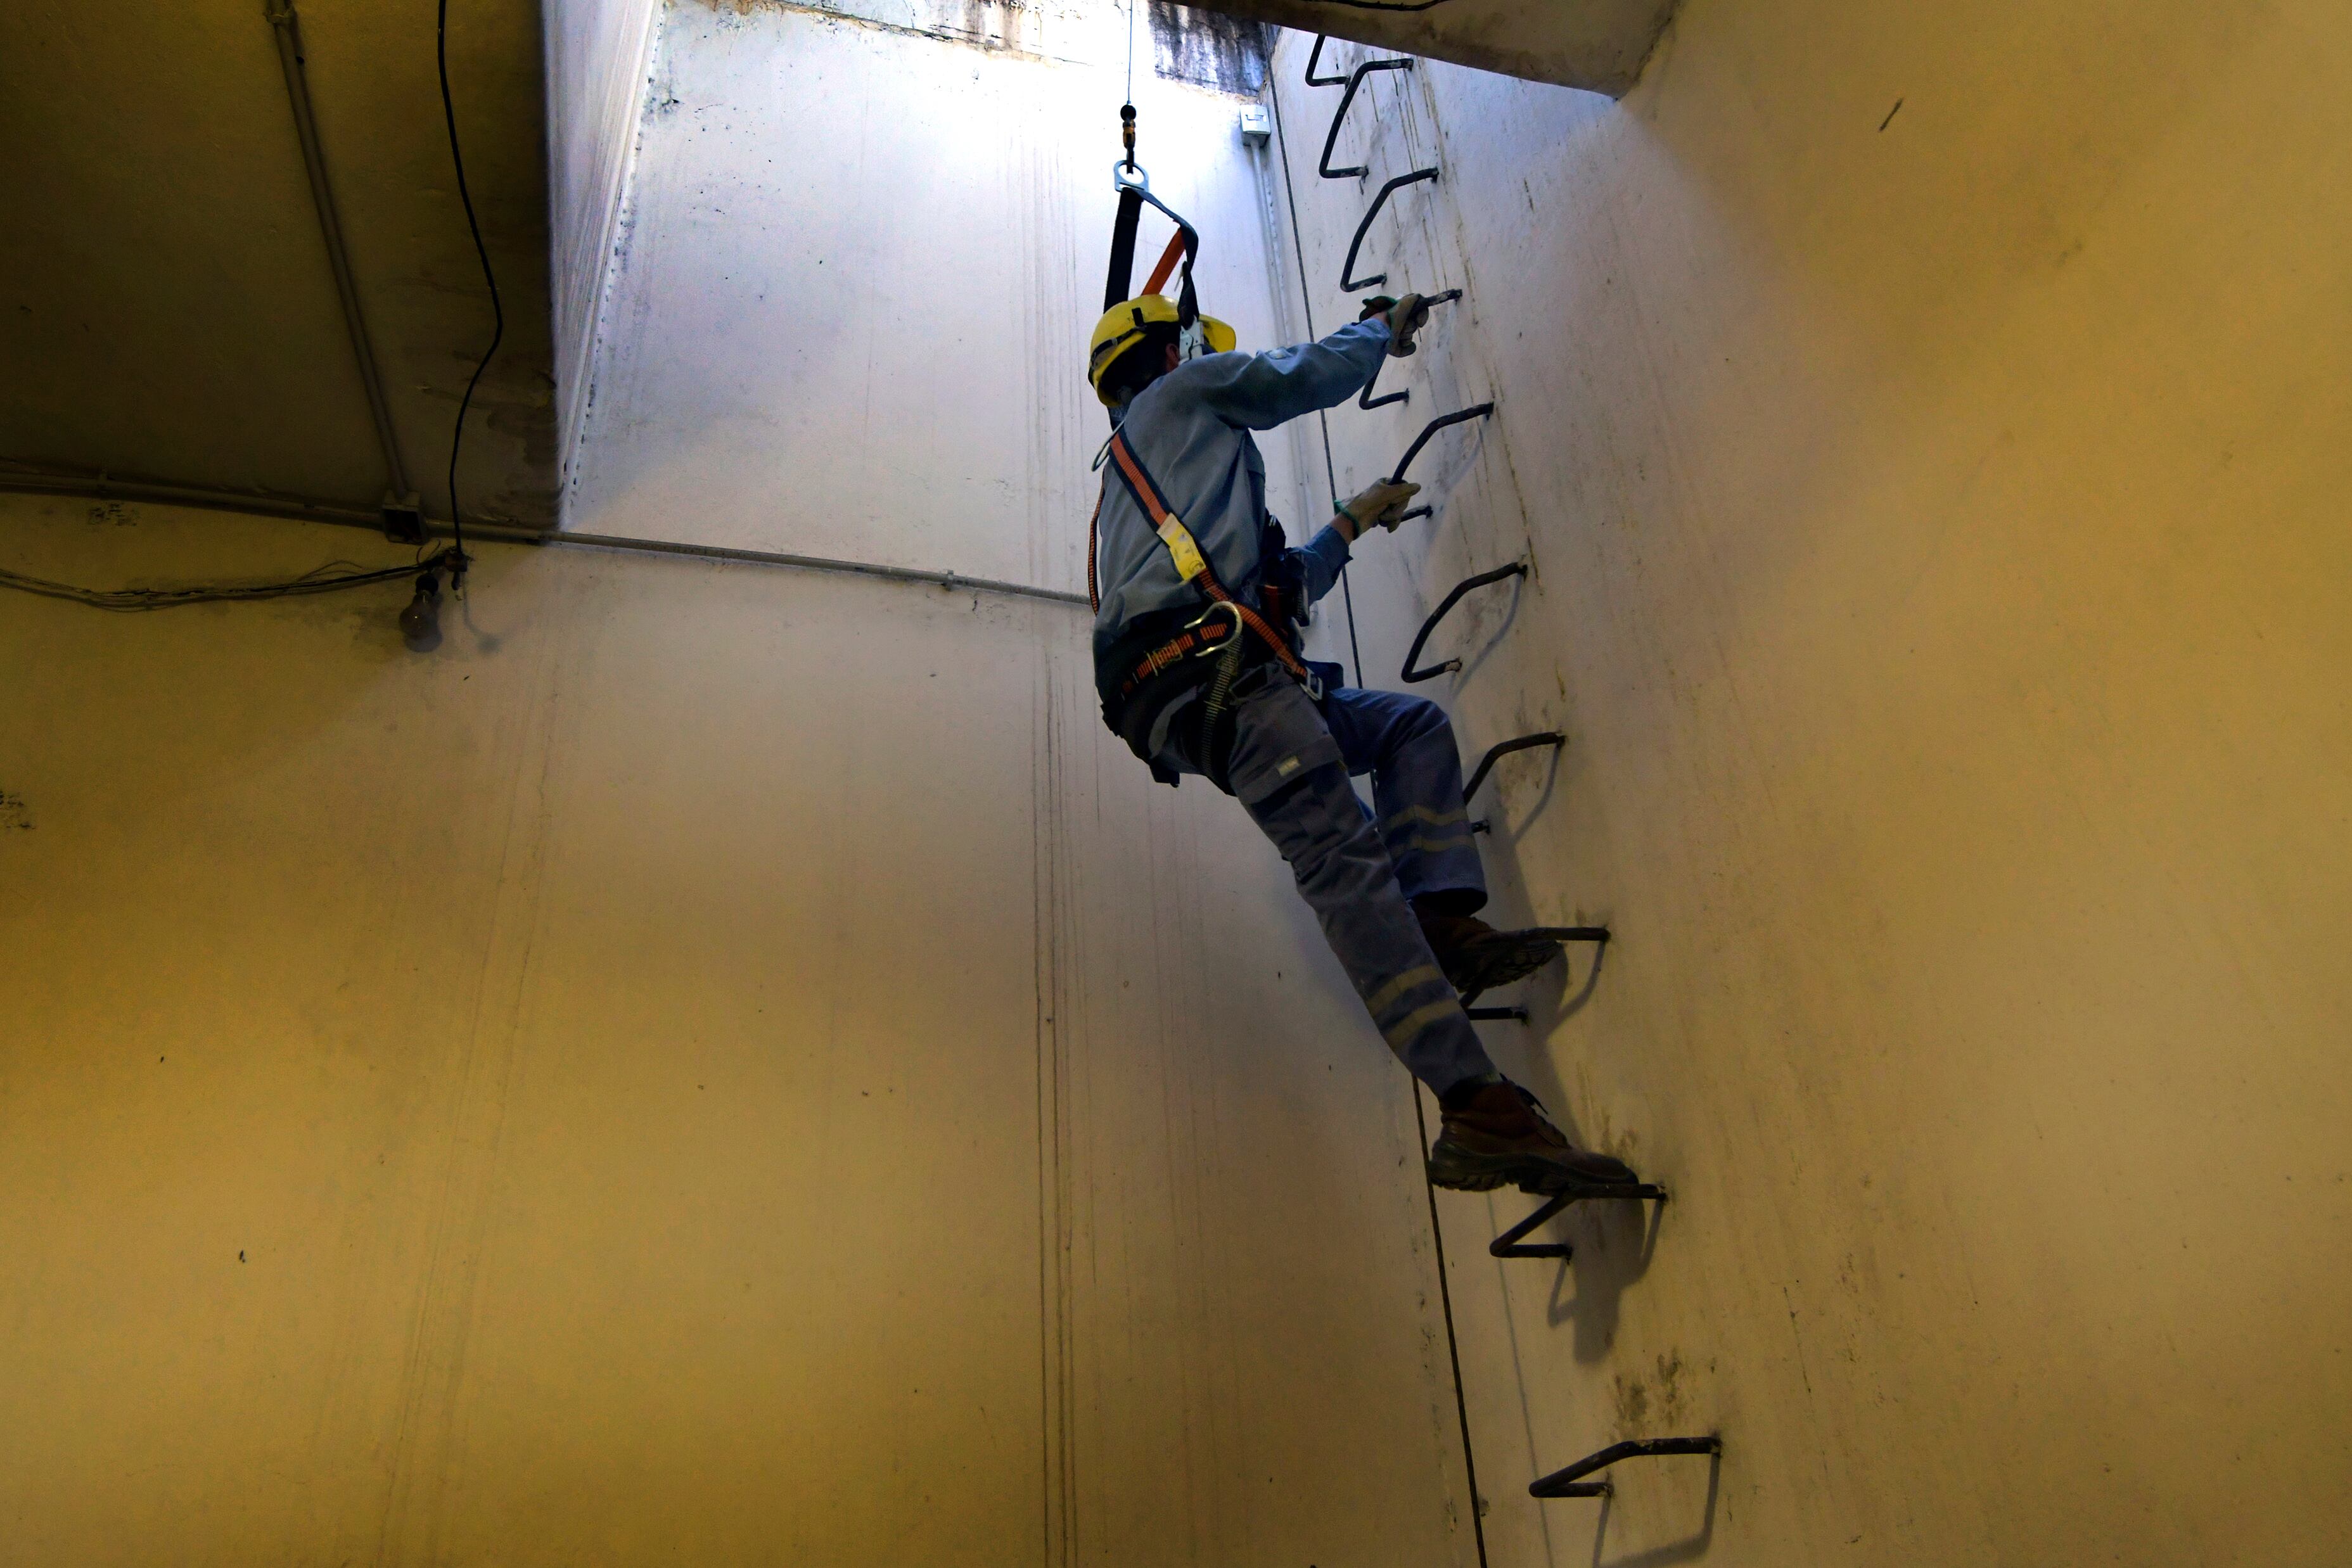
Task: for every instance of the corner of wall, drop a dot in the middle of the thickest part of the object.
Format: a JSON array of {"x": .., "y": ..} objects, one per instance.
[{"x": 594, "y": 108}]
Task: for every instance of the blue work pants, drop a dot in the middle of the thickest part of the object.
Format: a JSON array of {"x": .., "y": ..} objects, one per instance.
[{"x": 1289, "y": 766}]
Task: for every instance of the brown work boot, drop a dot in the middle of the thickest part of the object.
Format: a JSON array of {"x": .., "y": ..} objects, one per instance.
[
  {"x": 1477, "y": 958},
  {"x": 1499, "y": 1135}
]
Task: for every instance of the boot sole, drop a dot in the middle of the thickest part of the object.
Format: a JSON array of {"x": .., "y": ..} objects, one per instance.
[
  {"x": 1500, "y": 964},
  {"x": 1459, "y": 1172}
]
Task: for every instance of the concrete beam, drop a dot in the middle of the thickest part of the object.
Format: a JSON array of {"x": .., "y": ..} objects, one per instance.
[{"x": 1597, "y": 45}]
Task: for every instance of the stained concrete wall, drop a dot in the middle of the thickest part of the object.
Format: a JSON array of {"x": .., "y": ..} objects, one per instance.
[
  {"x": 715, "y": 1064},
  {"x": 1926, "y": 429}
]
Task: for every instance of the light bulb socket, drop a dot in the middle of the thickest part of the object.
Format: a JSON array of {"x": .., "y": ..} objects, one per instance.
[{"x": 420, "y": 623}]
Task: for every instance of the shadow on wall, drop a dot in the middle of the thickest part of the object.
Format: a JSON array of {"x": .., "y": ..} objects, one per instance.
[
  {"x": 1614, "y": 1243},
  {"x": 1692, "y": 1546}
]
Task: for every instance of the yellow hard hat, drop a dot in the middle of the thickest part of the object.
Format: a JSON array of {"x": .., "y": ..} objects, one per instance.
[{"x": 1122, "y": 325}]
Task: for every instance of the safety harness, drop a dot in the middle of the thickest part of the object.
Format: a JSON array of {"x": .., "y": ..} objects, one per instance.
[
  {"x": 1152, "y": 668},
  {"x": 1190, "y": 564},
  {"x": 1149, "y": 657}
]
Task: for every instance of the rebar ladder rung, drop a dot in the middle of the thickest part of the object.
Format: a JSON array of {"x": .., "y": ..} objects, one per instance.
[
  {"x": 1368, "y": 402},
  {"x": 1348, "y": 278},
  {"x": 1570, "y": 1481},
  {"x": 1510, "y": 1243},
  {"x": 1503, "y": 748},
  {"x": 1331, "y": 136},
  {"x": 1476, "y": 410},
  {"x": 1410, "y": 676}
]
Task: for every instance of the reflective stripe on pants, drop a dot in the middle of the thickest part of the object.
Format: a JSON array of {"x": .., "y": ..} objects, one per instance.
[
  {"x": 1291, "y": 774},
  {"x": 1407, "y": 745}
]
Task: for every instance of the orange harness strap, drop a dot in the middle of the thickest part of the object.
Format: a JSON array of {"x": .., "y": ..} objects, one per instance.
[
  {"x": 1168, "y": 259},
  {"x": 1172, "y": 532}
]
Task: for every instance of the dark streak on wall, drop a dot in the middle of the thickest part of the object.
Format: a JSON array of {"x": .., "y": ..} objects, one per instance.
[{"x": 1208, "y": 48}]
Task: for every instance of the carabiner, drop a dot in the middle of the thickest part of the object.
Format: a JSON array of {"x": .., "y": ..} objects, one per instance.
[{"x": 1219, "y": 646}]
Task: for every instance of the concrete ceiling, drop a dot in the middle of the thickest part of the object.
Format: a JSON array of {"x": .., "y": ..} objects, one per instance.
[
  {"x": 167, "y": 310},
  {"x": 1598, "y": 45}
]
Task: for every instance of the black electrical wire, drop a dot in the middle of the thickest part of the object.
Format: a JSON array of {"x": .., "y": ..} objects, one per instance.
[
  {"x": 458, "y": 563},
  {"x": 315, "y": 580}
]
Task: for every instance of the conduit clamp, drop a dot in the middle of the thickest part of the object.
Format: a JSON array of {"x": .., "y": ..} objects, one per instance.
[
  {"x": 1410, "y": 676},
  {"x": 1570, "y": 1483},
  {"x": 1366, "y": 400}
]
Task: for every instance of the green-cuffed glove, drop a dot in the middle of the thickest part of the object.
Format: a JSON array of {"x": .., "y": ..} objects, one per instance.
[
  {"x": 1405, "y": 317},
  {"x": 1381, "y": 503}
]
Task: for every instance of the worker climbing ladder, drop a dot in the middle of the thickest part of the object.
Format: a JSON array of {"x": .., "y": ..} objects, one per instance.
[
  {"x": 1513, "y": 1242},
  {"x": 1171, "y": 673}
]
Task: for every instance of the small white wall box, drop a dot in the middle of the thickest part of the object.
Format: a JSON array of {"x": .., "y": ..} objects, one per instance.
[{"x": 1256, "y": 126}]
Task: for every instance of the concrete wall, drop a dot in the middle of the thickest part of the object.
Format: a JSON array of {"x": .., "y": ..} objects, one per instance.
[
  {"x": 865, "y": 256},
  {"x": 598, "y": 55},
  {"x": 1926, "y": 430},
  {"x": 715, "y": 1064}
]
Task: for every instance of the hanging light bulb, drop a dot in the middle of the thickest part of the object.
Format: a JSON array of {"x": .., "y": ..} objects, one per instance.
[{"x": 420, "y": 623}]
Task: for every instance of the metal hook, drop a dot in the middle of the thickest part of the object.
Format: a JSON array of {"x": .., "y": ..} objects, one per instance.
[
  {"x": 1570, "y": 1483},
  {"x": 1348, "y": 268},
  {"x": 1366, "y": 400},
  {"x": 1331, "y": 136},
  {"x": 1314, "y": 57},
  {"x": 1476, "y": 410},
  {"x": 1410, "y": 676}
]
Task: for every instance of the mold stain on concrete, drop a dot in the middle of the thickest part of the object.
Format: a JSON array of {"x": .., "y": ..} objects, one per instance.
[
  {"x": 997, "y": 26},
  {"x": 1208, "y": 48}
]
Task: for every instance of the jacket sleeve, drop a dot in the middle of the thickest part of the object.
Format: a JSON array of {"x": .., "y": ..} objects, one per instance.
[
  {"x": 1259, "y": 391},
  {"x": 1323, "y": 558}
]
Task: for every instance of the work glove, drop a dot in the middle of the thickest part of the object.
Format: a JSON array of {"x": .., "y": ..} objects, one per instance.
[
  {"x": 1405, "y": 317},
  {"x": 1381, "y": 503}
]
